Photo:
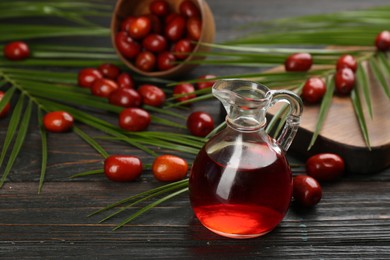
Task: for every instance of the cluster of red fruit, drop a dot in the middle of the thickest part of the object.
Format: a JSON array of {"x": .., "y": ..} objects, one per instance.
[
  {"x": 314, "y": 88},
  {"x": 108, "y": 81},
  {"x": 119, "y": 88},
  {"x": 325, "y": 167},
  {"x": 155, "y": 41}
]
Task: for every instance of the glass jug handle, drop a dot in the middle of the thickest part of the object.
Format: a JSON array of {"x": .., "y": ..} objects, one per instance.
[{"x": 292, "y": 121}]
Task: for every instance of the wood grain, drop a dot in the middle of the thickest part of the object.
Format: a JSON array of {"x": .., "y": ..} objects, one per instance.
[{"x": 347, "y": 223}]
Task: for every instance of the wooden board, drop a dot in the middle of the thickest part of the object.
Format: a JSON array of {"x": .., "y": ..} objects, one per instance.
[{"x": 341, "y": 133}]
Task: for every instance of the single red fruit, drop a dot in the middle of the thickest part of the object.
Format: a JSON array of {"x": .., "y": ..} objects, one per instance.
[
  {"x": 103, "y": 87},
  {"x": 298, "y": 62},
  {"x": 151, "y": 95},
  {"x": 165, "y": 61},
  {"x": 200, "y": 123},
  {"x": 88, "y": 76},
  {"x": 155, "y": 43},
  {"x": 307, "y": 191},
  {"x": 325, "y": 167},
  {"x": 346, "y": 61},
  {"x": 125, "y": 24},
  {"x": 313, "y": 90},
  {"x": 194, "y": 28},
  {"x": 122, "y": 168},
  {"x": 189, "y": 9},
  {"x": 134, "y": 119},
  {"x": 139, "y": 27},
  {"x": 124, "y": 80},
  {"x": 184, "y": 88},
  {"x": 382, "y": 41},
  {"x": 58, "y": 121},
  {"x": 169, "y": 168},
  {"x": 206, "y": 84},
  {"x": 344, "y": 81},
  {"x": 175, "y": 28},
  {"x": 7, "y": 107},
  {"x": 125, "y": 97},
  {"x": 145, "y": 61},
  {"x": 159, "y": 7},
  {"x": 182, "y": 49},
  {"x": 109, "y": 71},
  {"x": 16, "y": 50},
  {"x": 128, "y": 47}
]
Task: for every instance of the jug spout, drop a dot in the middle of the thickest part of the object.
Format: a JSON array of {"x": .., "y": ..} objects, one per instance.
[{"x": 245, "y": 103}]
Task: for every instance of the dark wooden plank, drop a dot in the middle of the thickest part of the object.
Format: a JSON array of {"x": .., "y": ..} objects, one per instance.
[{"x": 53, "y": 225}]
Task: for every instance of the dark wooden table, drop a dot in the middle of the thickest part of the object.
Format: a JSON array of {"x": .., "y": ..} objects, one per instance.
[{"x": 352, "y": 220}]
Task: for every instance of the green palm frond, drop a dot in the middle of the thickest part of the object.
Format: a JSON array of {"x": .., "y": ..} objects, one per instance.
[
  {"x": 348, "y": 28},
  {"x": 349, "y": 32},
  {"x": 325, "y": 105},
  {"x": 46, "y": 81},
  {"x": 44, "y": 150},
  {"x": 19, "y": 139}
]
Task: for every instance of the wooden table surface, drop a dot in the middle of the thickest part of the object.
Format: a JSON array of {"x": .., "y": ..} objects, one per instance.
[{"x": 352, "y": 220}]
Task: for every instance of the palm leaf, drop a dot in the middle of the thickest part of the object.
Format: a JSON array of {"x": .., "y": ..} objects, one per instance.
[
  {"x": 18, "y": 142},
  {"x": 158, "y": 143},
  {"x": 349, "y": 28},
  {"x": 40, "y": 76},
  {"x": 92, "y": 142},
  {"x": 362, "y": 82},
  {"x": 73, "y": 63},
  {"x": 140, "y": 195},
  {"x": 12, "y": 126},
  {"x": 152, "y": 195},
  {"x": 325, "y": 105},
  {"x": 191, "y": 100},
  {"x": 9, "y": 32},
  {"x": 379, "y": 75},
  {"x": 164, "y": 111},
  {"x": 384, "y": 61},
  {"x": 356, "y": 101},
  {"x": 150, "y": 206},
  {"x": 44, "y": 150},
  {"x": 96, "y": 123},
  {"x": 7, "y": 97},
  {"x": 87, "y": 173}
]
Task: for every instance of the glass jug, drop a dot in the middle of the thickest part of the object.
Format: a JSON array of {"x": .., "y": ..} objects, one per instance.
[{"x": 241, "y": 183}]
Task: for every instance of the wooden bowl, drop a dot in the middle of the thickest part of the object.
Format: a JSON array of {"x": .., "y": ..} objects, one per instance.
[{"x": 124, "y": 8}]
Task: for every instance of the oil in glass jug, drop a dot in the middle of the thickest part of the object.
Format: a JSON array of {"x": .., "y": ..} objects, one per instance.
[{"x": 241, "y": 183}]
